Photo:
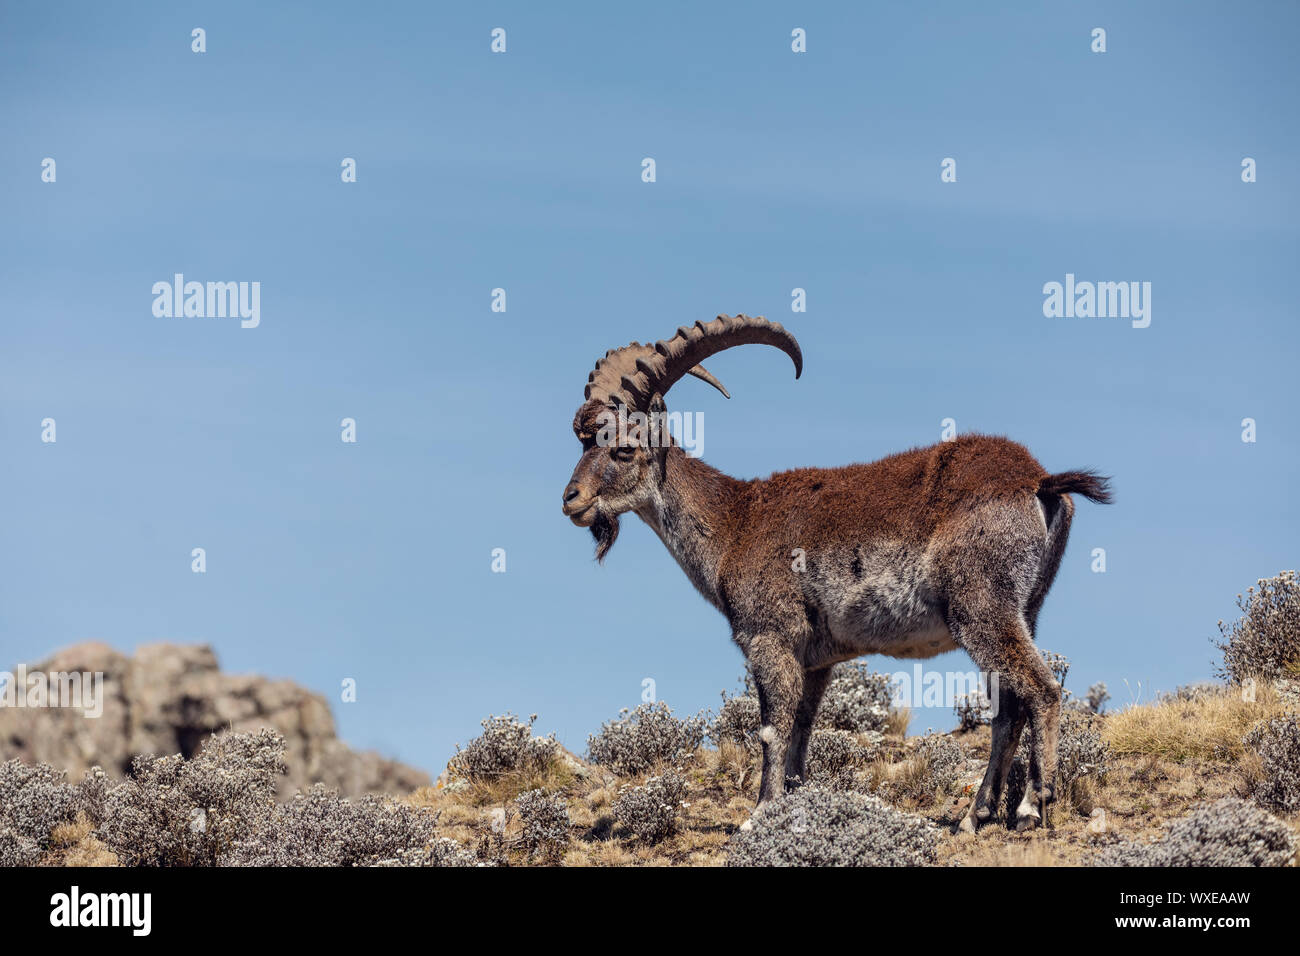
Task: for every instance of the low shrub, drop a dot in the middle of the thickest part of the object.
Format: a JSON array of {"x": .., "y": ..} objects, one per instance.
[
  {"x": 439, "y": 852},
  {"x": 544, "y": 825},
  {"x": 650, "y": 811},
  {"x": 34, "y": 799},
  {"x": 1093, "y": 702},
  {"x": 942, "y": 760},
  {"x": 816, "y": 827},
  {"x": 174, "y": 812},
  {"x": 856, "y": 699},
  {"x": 506, "y": 746},
  {"x": 638, "y": 741},
  {"x": 738, "y": 722},
  {"x": 1227, "y": 832},
  {"x": 320, "y": 828},
  {"x": 1276, "y": 743},
  {"x": 1264, "y": 643},
  {"x": 834, "y": 756}
]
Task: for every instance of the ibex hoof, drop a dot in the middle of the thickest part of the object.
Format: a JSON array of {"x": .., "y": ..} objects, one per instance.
[{"x": 1026, "y": 821}]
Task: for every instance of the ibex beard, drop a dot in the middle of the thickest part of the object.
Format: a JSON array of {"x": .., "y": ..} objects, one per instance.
[{"x": 950, "y": 546}]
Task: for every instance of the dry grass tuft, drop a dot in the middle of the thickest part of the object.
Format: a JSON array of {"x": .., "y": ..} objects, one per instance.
[
  {"x": 1207, "y": 725},
  {"x": 896, "y": 723},
  {"x": 1033, "y": 851},
  {"x": 74, "y": 844}
]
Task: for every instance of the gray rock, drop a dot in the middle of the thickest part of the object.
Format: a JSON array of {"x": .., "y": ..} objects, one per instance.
[{"x": 169, "y": 698}]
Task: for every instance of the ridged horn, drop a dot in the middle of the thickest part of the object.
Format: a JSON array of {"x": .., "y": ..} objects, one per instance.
[{"x": 631, "y": 375}]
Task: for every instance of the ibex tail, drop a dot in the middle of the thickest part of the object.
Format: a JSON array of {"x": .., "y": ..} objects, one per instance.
[{"x": 1091, "y": 485}]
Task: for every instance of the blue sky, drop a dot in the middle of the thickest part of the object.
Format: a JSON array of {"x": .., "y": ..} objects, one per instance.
[{"x": 522, "y": 170}]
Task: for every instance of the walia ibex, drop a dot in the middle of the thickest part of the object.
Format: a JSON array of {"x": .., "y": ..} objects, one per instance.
[{"x": 954, "y": 545}]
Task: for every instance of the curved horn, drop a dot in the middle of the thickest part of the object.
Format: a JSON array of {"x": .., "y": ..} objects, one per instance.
[
  {"x": 700, "y": 372},
  {"x": 631, "y": 375}
]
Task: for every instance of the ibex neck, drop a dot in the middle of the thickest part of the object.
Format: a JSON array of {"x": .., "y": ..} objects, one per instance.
[{"x": 694, "y": 514}]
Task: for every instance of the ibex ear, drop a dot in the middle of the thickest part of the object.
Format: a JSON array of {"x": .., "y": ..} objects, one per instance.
[{"x": 660, "y": 439}]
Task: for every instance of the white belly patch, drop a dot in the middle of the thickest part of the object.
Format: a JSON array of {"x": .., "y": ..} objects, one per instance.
[
  {"x": 927, "y": 641},
  {"x": 881, "y": 604}
]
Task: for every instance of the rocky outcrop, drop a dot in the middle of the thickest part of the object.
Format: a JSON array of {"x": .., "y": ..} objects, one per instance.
[{"x": 168, "y": 698}]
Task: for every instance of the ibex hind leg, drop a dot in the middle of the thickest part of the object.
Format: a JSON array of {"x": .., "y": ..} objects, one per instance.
[
  {"x": 998, "y": 640},
  {"x": 1058, "y": 512},
  {"x": 1008, "y": 722}
]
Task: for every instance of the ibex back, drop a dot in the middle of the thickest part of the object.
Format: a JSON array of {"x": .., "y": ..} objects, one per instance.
[{"x": 922, "y": 552}]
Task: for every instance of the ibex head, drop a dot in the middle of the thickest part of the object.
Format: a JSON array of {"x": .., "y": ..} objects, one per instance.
[{"x": 622, "y": 424}]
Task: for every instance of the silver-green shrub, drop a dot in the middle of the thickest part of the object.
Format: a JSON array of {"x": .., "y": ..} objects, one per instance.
[
  {"x": 944, "y": 761},
  {"x": 1080, "y": 750},
  {"x": 1277, "y": 743},
  {"x": 544, "y": 824},
  {"x": 833, "y": 758},
  {"x": 857, "y": 699},
  {"x": 1093, "y": 702},
  {"x": 439, "y": 852},
  {"x": 640, "y": 739},
  {"x": 34, "y": 799},
  {"x": 738, "y": 722},
  {"x": 1227, "y": 832},
  {"x": 650, "y": 811},
  {"x": 507, "y": 745},
  {"x": 320, "y": 828},
  {"x": 174, "y": 812},
  {"x": 816, "y": 827},
  {"x": 1265, "y": 642}
]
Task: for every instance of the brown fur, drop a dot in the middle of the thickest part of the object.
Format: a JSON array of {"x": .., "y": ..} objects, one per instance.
[{"x": 955, "y": 544}]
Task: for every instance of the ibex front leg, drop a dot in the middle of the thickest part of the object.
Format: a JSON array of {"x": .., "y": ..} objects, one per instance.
[
  {"x": 779, "y": 678},
  {"x": 796, "y": 758}
]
